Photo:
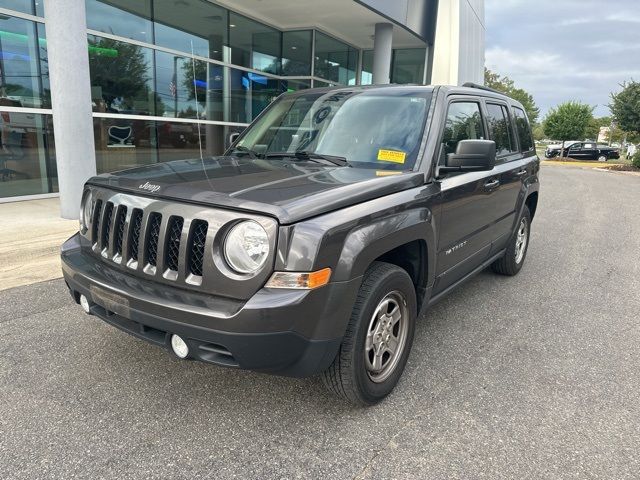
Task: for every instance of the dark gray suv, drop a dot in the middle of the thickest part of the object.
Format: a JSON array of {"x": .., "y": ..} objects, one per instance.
[{"x": 313, "y": 245}]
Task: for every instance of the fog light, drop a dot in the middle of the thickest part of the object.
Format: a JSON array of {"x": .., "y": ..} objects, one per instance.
[
  {"x": 179, "y": 347},
  {"x": 84, "y": 303}
]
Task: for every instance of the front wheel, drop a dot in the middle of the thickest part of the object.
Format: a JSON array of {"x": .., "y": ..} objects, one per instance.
[
  {"x": 378, "y": 339},
  {"x": 516, "y": 251}
]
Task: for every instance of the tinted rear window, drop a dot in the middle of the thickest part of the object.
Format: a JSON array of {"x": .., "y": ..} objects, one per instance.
[
  {"x": 524, "y": 130},
  {"x": 500, "y": 129}
]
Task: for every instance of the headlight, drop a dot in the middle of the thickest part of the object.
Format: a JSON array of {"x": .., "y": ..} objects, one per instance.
[
  {"x": 85, "y": 211},
  {"x": 246, "y": 247}
]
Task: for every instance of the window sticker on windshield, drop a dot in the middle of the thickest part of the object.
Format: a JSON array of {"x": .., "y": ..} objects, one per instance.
[
  {"x": 387, "y": 173},
  {"x": 391, "y": 156}
]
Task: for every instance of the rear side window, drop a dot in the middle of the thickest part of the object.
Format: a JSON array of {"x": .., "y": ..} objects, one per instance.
[
  {"x": 524, "y": 130},
  {"x": 464, "y": 122},
  {"x": 500, "y": 129}
]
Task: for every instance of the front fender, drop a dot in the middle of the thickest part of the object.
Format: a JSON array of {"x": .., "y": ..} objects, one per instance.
[{"x": 349, "y": 239}]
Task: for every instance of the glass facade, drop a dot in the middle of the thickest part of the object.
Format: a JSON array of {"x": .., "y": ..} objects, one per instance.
[
  {"x": 165, "y": 76},
  {"x": 27, "y": 154},
  {"x": 335, "y": 61}
]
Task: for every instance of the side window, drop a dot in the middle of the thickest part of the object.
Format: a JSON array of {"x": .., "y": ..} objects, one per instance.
[
  {"x": 524, "y": 130},
  {"x": 500, "y": 129},
  {"x": 464, "y": 122}
]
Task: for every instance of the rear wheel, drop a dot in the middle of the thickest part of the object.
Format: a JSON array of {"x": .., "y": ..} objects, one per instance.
[
  {"x": 378, "y": 339},
  {"x": 603, "y": 158},
  {"x": 516, "y": 252}
]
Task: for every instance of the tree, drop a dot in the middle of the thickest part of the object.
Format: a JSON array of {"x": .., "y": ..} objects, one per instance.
[
  {"x": 625, "y": 107},
  {"x": 593, "y": 130},
  {"x": 568, "y": 121},
  {"x": 508, "y": 87},
  {"x": 121, "y": 70}
]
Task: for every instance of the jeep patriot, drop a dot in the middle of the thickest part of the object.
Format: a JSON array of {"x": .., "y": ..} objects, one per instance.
[{"x": 313, "y": 245}]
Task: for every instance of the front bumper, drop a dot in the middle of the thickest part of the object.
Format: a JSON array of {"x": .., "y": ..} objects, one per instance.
[{"x": 286, "y": 332}]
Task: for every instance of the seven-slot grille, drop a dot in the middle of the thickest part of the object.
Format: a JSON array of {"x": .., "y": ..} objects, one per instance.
[{"x": 144, "y": 242}]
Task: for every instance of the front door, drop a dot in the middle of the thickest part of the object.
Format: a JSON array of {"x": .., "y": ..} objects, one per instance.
[{"x": 466, "y": 221}]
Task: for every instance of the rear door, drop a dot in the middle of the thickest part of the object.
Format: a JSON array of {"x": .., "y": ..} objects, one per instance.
[
  {"x": 511, "y": 167},
  {"x": 467, "y": 216}
]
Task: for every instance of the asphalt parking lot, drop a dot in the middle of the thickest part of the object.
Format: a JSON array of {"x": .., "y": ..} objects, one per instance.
[{"x": 536, "y": 376}]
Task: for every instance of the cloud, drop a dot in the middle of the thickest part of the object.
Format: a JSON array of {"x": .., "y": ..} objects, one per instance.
[{"x": 564, "y": 50}]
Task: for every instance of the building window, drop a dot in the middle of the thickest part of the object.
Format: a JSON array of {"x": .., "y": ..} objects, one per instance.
[
  {"x": 181, "y": 24},
  {"x": 366, "y": 78},
  {"x": 27, "y": 160},
  {"x": 254, "y": 45},
  {"x": 24, "y": 74},
  {"x": 122, "y": 78},
  {"x": 296, "y": 53},
  {"x": 177, "y": 90},
  {"x": 125, "y": 18},
  {"x": 32, "y": 7},
  {"x": 335, "y": 61},
  {"x": 407, "y": 65}
]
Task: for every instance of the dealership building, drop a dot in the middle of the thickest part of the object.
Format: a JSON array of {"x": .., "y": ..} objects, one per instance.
[{"x": 94, "y": 86}]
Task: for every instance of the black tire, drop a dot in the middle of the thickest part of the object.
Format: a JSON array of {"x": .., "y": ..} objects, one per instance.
[
  {"x": 509, "y": 264},
  {"x": 348, "y": 376},
  {"x": 603, "y": 158}
]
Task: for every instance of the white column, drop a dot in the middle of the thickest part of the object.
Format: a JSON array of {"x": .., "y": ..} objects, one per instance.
[
  {"x": 68, "y": 56},
  {"x": 382, "y": 50}
]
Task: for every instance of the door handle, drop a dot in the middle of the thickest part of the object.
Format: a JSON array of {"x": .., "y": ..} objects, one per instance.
[
  {"x": 492, "y": 184},
  {"x": 521, "y": 173}
]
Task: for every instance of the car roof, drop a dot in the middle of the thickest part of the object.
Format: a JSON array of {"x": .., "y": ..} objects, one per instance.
[{"x": 476, "y": 90}]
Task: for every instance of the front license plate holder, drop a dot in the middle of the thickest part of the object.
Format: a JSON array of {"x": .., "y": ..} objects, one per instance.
[{"x": 112, "y": 302}]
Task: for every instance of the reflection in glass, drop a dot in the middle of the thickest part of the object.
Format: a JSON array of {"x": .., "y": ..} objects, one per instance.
[
  {"x": 369, "y": 128},
  {"x": 335, "y": 60},
  {"x": 199, "y": 22},
  {"x": 253, "y": 44},
  {"x": 24, "y": 6},
  {"x": 121, "y": 78},
  {"x": 296, "y": 53},
  {"x": 124, "y": 143},
  {"x": 250, "y": 93},
  {"x": 24, "y": 72},
  {"x": 366, "y": 78},
  {"x": 463, "y": 123},
  {"x": 407, "y": 65},
  {"x": 125, "y": 18},
  {"x": 27, "y": 160}
]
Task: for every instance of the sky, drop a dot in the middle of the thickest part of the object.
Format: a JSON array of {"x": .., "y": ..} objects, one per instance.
[{"x": 561, "y": 50}]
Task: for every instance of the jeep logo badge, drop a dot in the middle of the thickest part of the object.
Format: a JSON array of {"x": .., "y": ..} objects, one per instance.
[{"x": 149, "y": 187}]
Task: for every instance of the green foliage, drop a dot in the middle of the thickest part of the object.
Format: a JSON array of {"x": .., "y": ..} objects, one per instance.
[
  {"x": 508, "y": 87},
  {"x": 123, "y": 76},
  {"x": 635, "y": 161},
  {"x": 593, "y": 130},
  {"x": 625, "y": 107},
  {"x": 568, "y": 121},
  {"x": 538, "y": 132}
]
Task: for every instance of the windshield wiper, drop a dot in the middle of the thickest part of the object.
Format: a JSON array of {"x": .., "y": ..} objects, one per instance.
[
  {"x": 305, "y": 155},
  {"x": 251, "y": 153}
]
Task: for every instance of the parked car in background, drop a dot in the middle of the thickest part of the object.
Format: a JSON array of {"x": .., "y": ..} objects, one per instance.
[
  {"x": 554, "y": 150},
  {"x": 592, "y": 151}
]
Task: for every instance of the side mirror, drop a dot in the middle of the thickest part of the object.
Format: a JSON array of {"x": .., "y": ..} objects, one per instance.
[{"x": 470, "y": 156}]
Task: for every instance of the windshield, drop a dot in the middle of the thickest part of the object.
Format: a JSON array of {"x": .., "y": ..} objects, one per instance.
[{"x": 368, "y": 128}]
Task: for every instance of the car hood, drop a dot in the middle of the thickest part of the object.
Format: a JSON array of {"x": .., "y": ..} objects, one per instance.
[{"x": 285, "y": 189}]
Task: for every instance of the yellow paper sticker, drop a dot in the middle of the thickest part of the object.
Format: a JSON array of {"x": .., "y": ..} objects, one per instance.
[{"x": 391, "y": 156}]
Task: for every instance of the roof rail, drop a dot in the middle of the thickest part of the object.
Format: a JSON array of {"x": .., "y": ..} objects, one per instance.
[{"x": 481, "y": 87}]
